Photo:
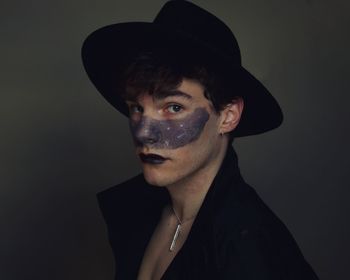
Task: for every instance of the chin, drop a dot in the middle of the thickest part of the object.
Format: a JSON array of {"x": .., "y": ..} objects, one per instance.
[
  {"x": 160, "y": 178},
  {"x": 155, "y": 178},
  {"x": 154, "y": 181}
]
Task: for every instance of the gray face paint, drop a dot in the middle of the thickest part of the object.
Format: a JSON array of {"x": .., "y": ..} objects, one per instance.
[{"x": 169, "y": 134}]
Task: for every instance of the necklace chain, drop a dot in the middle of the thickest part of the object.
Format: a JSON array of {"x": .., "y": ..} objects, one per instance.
[
  {"x": 178, "y": 219},
  {"x": 178, "y": 229}
]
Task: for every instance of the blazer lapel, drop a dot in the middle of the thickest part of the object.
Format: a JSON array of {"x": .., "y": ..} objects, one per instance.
[
  {"x": 196, "y": 258},
  {"x": 131, "y": 211}
]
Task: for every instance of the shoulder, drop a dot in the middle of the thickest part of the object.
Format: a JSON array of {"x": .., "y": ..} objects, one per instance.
[
  {"x": 253, "y": 233},
  {"x": 243, "y": 209},
  {"x": 124, "y": 188},
  {"x": 120, "y": 197},
  {"x": 130, "y": 197},
  {"x": 243, "y": 214}
]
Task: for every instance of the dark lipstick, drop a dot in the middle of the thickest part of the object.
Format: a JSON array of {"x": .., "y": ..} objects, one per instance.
[{"x": 152, "y": 158}]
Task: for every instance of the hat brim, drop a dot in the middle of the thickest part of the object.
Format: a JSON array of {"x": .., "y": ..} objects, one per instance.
[{"x": 107, "y": 51}]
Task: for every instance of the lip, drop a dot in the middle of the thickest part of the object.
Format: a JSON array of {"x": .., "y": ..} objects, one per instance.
[{"x": 152, "y": 158}]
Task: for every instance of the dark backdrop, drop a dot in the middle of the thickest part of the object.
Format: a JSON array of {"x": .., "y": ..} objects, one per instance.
[{"x": 61, "y": 142}]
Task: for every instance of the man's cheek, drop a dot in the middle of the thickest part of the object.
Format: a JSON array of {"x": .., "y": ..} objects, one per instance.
[{"x": 169, "y": 134}]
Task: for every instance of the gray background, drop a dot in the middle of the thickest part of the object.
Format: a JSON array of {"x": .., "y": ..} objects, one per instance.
[{"x": 61, "y": 142}]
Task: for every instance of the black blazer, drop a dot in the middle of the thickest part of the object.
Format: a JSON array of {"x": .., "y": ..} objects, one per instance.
[{"x": 235, "y": 235}]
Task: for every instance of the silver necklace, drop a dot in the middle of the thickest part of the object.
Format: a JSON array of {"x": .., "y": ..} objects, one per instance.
[{"x": 178, "y": 229}]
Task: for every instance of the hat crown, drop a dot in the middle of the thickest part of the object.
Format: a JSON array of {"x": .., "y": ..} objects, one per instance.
[
  {"x": 183, "y": 30},
  {"x": 199, "y": 25}
]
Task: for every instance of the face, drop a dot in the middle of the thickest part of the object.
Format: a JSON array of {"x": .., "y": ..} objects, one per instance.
[{"x": 176, "y": 135}]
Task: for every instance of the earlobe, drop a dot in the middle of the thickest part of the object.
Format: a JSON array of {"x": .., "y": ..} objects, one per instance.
[{"x": 231, "y": 115}]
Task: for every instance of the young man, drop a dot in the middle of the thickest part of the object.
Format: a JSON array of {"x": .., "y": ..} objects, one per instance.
[{"x": 189, "y": 215}]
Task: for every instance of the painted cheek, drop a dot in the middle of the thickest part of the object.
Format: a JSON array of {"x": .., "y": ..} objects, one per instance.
[{"x": 169, "y": 134}]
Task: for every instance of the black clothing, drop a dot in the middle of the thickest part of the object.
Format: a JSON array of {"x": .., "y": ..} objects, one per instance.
[{"x": 234, "y": 236}]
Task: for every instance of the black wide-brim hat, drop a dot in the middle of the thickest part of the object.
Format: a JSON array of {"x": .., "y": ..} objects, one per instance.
[{"x": 181, "y": 27}]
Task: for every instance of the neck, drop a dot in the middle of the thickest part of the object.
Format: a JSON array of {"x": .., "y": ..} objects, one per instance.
[{"x": 188, "y": 195}]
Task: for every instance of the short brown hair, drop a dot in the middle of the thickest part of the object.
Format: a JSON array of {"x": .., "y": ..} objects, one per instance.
[{"x": 157, "y": 72}]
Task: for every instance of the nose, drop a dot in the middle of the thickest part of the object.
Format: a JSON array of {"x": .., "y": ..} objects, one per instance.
[{"x": 145, "y": 132}]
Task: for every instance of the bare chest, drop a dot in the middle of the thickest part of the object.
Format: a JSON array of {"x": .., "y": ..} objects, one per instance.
[{"x": 158, "y": 257}]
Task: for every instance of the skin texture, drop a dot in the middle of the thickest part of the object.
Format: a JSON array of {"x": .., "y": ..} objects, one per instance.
[{"x": 169, "y": 134}]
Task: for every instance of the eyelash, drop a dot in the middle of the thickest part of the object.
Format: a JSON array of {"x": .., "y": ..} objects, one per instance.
[
  {"x": 132, "y": 108},
  {"x": 173, "y": 105}
]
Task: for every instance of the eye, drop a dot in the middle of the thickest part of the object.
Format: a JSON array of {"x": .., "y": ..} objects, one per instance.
[
  {"x": 174, "y": 108},
  {"x": 134, "y": 108}
]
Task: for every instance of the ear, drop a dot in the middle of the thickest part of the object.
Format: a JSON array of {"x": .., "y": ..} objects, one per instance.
[{"x": 231, "y": 115}]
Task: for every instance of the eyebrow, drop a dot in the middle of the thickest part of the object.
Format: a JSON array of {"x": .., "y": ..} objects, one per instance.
[
  {"x": 165, "y": 94},
  {"x": 169, "y": 93}
]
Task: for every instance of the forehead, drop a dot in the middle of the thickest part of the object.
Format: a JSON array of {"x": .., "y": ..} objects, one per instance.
[{"x": 188, "y": 91}]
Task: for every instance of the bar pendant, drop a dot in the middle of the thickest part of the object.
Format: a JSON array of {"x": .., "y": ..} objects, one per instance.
[{"x": 173, "y": 243}]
